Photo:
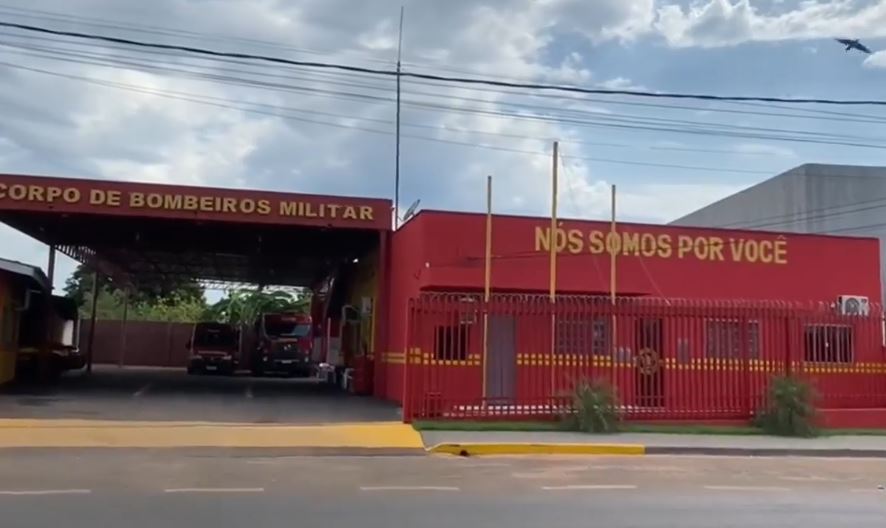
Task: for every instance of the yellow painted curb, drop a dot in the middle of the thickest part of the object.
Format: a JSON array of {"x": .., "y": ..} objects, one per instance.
[
  {"x": 475, "y": 449},
  {"x": 387, "y": 435},
  {"x": 18, "y": 423}
]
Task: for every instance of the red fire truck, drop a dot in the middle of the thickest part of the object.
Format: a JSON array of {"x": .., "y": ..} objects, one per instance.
[{"x": 285, "y": 342}]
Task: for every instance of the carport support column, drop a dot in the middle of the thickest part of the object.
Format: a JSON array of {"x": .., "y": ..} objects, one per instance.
[
  {"x": 95, "y": 291},
  {"x": 50, "y": 267},
  {"x": 46, "y": 342}
]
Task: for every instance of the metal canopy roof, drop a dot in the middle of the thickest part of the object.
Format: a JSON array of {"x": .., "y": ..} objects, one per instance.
[
  {"x": 281, "y": 239},
  {"x": 31, "y": 273}
]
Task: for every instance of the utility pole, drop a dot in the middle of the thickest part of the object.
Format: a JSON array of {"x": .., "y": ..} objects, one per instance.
[
  {"x": 487, "y": 285},
  {"x": 552, "y": 242},
  {"x": 397, "y": 155}
]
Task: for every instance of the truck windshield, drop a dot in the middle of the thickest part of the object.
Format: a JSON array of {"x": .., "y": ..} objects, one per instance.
[
  {"x": 214, "y": 337},
  {"x": 286, "y": 329}
]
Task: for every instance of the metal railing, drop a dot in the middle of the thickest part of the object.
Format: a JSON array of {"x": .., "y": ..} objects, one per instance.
[{"x": 667, "y": 359}]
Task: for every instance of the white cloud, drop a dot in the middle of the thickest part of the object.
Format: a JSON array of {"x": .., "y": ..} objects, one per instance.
[
  {"x": 765, "y": 149},
  {"x": 65, "y": 127},
  {"x": 728, "y": 22},
  {"x": 621, "y": 83},
  {"x": 581, "y": 195},
  {"x": 876, "y": 60},
  {"x": 665, "y": 202},
  {"x": 603, "y": 20}
]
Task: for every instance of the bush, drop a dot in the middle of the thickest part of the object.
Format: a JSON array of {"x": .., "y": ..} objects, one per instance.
[
  {"x": 594, "y": 408},
  {"x": 790, "y": 408}
]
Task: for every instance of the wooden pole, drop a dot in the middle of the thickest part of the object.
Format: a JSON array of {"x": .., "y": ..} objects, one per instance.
[
  {"x": 553, "y": 234},
  {"x": 613, "y": 285},
  {"x": 612, "y": 253},
  {"x": 552, "y": 243},
  {"x": 487, "y": 283}
]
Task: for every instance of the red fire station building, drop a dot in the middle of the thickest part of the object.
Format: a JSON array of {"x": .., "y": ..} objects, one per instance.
[
  {"x": 697, "y": 282},
  {"x": 699, "y": 309}
]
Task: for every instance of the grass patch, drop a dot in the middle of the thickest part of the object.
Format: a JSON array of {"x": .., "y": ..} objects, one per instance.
[
  {"x": 857, "y": 432},
  {"x": 737, "y": 430},
  {"x": 468, "y": 425},
  {"x": 526, "y": 426}
]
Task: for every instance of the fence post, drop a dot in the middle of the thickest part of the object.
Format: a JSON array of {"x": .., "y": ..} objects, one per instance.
[
  {"x": 788, "y": 355},
  {"x": 746, "y": 361},
  {"x": 408, "y": 403}
]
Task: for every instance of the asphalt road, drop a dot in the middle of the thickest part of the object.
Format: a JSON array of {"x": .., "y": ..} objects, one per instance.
[
  {"x": 148, "y": 394},
  {"x": 221, "y": 489}
]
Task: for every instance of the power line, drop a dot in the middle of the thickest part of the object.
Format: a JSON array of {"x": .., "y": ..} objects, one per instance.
[
  {"x": 812, "y": 215},
  {"x": 846, "y": 117},
  {"x": 621, "y": 117},
  {"x": 625, "y": 122},
  {"x": 207, "y": 100},
  {"x": 439, "y": 128},
  {"x": 633, "y": 125},
  {"x": 376, "y": 87},
  {"x": 851, "y": 229},
  {"x": 434, "y": 77},
  {"x": 55, "y": 16}
]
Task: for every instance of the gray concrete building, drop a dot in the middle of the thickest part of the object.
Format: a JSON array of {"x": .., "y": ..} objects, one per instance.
[{"x": 847, "y": 200}]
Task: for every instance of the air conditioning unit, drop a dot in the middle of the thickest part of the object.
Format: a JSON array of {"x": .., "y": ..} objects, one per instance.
[{"x": 853, "y": 305}]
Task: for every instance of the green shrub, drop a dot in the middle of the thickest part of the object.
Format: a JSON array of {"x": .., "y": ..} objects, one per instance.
[
  {"x": 790, "y": 408},
  {"x": 594, "y": 408}
]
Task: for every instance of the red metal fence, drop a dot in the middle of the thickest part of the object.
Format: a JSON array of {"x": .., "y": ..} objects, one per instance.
[{"x": 667, "y": 359}]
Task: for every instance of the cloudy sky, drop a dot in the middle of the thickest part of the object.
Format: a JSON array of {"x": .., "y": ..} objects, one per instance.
[{"x": 78, "y": 109}]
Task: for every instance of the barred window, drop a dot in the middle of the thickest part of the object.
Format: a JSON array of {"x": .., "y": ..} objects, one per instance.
[
  {"x": 723, "y": 339},
  {"x": 828, "y": 344},
  {"x": 451, "y": 342},
  {"x": 583, "y": 336}
]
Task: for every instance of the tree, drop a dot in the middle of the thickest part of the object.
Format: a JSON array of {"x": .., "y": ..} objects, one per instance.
[
  {"x": 244, "y": 306},
  {"x": 178, "y": 300},
  {"x": 168, "y": 291}
]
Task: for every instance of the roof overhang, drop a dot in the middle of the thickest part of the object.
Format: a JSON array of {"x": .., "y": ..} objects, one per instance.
[{"x": 138, "y": 231}]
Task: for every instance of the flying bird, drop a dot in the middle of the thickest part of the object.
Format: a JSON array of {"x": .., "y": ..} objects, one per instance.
[{"x": 854, "y": 44}]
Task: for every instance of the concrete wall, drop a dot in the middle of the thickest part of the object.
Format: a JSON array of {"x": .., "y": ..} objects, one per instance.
[
  {"x": 841, "y": 200},
  {"x": 773, "y": 200}
]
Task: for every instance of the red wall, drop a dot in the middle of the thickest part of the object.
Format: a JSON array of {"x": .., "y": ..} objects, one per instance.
[
  {"x": 406, "y": 271},
  {"x": 793, "y": 267},
  {"x": 445, "y": 251}
]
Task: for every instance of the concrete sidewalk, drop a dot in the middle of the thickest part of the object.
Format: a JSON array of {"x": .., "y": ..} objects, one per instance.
[{"x": 504, "y": 443}]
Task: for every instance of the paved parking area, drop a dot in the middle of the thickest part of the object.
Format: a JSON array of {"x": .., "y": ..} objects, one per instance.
[{"x": 146, "y": 394}]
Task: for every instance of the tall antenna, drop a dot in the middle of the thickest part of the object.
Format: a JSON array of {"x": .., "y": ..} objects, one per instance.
[{"x": 397, "y": 155}]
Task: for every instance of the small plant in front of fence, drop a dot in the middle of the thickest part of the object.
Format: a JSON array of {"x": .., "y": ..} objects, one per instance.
[
  {"x": 594, "y": 408},
  {"x": 790, "y": 409}
]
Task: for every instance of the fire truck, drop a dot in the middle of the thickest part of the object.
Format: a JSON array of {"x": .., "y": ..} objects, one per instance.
[
  {"x": 213, "y": 347},
  {"x": 284, "y": 345}
]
